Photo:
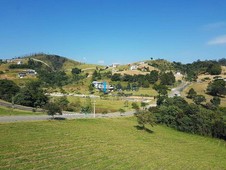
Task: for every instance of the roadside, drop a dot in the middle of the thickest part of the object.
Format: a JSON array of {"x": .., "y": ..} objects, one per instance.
[
  {"x": 66, "y": 115},
  {"x": 177, "y": 91}
]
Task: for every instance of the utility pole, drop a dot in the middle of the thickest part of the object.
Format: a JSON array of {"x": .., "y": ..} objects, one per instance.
[{"x": 94, "y": 110}]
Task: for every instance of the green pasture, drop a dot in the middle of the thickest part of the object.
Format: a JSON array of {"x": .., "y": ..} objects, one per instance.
[
  {"x": 109, "y": 104},
  {"x": 13, "y": 112},
  {"x": 105, "y": 144}
]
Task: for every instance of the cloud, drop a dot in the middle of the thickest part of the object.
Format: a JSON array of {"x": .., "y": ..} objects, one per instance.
[
  {"x": 214, "y": 26},
  {"x": 218, "y": 40},
  {"x": 101, "y": 62}
]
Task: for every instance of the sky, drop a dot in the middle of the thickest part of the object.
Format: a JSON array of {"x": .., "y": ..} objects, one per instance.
[{"x": 114, "y": 31}]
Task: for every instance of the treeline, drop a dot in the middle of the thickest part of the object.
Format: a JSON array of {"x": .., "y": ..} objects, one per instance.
[
  {"x": 165, "y": 78},
  {"x": 204, "y": 120},
  {"x": 200, "y": 67},
  {"x": 29, "y": 95}
]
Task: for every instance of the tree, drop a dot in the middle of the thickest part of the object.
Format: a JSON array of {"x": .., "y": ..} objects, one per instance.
[
  {"x": 161, "y": 89},
  {"x": 76, "y": 71},
  {"x": 167, "y": 78},
  {"x": 135, "y": 106},
  {"x": 143, "y": 104},
  {"x": 122, "y": 111},
  {"x": 154, "y": 75},
  {"x": 198, "y": 99},
  {"x": 215, "y": 100},
  {"x": 214, "y": 69},
  {"x": 31, "y": 95},
  {"x": 8, "y": 89},
  {"x": 145, "y": 117},
  {"x": 53, "y": 109},
  {"x": 62, "y": 102},
  {"x": 217, "y": 87},
  {"x": 191, "y": 93},
  {"x": 116, "y": 77},
  {"x": 128, "y": 88}
]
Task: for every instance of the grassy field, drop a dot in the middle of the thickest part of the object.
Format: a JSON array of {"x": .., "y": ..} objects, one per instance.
[
  {"x": 9, "y": 112},
  {"x": 109, "y": 105},
  {"x": 105, "y": 144}
]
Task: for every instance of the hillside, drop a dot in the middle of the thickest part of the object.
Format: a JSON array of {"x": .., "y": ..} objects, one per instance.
[{"x": 105, "y": 144}]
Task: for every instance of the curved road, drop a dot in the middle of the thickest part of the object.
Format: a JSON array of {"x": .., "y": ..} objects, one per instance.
[
  {"x": 177, "y": 91},
  {"x": 61, "y": 117}
]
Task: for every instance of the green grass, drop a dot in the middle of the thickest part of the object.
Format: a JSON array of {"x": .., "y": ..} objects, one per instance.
[
  {"x": 9, "y": 112},
  {"x": 110, "y": 104},
  {"x": 105, "y": 144}
]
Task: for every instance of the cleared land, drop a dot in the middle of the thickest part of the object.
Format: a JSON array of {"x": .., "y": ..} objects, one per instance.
[{"x": 105, "y": 144}]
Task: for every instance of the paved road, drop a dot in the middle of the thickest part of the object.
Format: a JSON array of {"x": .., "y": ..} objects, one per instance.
[
  {"x": 177, "y": 91},
  {"x": 64, "y": 116}
]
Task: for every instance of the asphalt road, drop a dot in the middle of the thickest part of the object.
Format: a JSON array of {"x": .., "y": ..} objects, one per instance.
[
  {"x": 177, "y": 91},
  {"x": 61, "y": 117}
]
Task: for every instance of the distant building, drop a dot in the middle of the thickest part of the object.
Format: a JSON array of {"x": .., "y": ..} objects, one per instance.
[
  {"x": 100, "y": 86},
  {"x": 133, "y": 67},
  {"x": 114, "y": 65},
  {"x": 22, "y": 74},
  {"x": 31, "y": 72},
  {"x": 19, "y": 62}
]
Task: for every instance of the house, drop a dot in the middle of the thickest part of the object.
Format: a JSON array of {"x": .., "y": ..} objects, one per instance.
[
  {"x": 114, "y": 65},
  {"x": 22, "y": 74},
  {"x": 19, "y": 62},
  {"x": 31, "y": 72},
  {"x": 102, "y": 85},
  {"x": 133, "y": 67}
]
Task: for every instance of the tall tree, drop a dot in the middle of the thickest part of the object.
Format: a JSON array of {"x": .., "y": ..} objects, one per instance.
[
  {"x": 8, "y": 89},
  {"x": 217, "y": 87},
  {"x": 191, "y": 93}
]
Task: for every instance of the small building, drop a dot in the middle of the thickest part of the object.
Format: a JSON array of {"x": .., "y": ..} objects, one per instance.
[
  {"x": 133, "y": 67},
  {"x": 101, "y": 86},
  {"x": 31, "y": 72},
  {"x": 19, "y": 62},
  {"x": 114, "y": 65},
  {"x": 22, "y": 74}
]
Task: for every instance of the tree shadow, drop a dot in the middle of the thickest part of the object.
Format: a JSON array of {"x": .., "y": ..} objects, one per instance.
[
  {"x": 143, "y": 128},
  {"x": 58, "y": 118}
]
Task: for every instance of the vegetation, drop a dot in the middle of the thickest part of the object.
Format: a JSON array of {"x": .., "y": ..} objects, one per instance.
[
  {"x": 105, "y": 144},
  {"x": 14, "y": 112},
  {"x": 145, "y": 117},
  {"x": 8, "y": 89},
  {"x": 53, "y": 109},
  {"x": 204, "y": 120},
  {"x": 217, "y": 87},
  {"x": 31, "y": 95}
]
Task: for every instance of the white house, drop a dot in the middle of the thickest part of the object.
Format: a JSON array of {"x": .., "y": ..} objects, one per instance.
[
  {"x": 100, "y": 85},
  {"x": 114, "y": 65},
  {"x": 133, "y": 67}
]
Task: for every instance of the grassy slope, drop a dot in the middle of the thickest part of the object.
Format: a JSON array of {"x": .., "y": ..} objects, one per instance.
[
  {"x": 105, "y": 144},
  {"x": 200, "y": 87},
  {"x": 8, "y": 112},
  {"x": 110, "y": 105}
]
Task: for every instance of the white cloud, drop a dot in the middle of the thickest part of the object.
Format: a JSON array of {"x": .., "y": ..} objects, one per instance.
[
  {"x": 101, "y": 62},
  {"x": 214, "y": 26},
  {"x": 218, "y": 40}
]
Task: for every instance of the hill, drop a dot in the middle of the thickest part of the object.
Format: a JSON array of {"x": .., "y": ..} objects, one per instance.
[{"x": 105, "y": 144}]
